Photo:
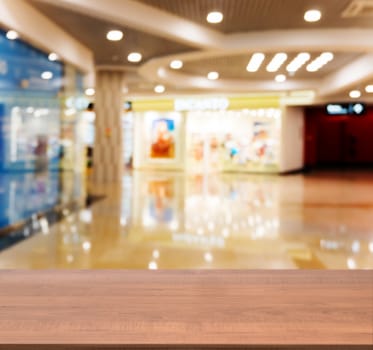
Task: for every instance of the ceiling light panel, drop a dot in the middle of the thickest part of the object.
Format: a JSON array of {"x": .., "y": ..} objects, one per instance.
[
  {"x": 280, "y": 78},
  {"x": 255, "y": 62},
  {"x": 312, "y": 15},
  {"x": 214, "y": 17},
  {"x": 355, "y": 94},
  {"x": 114, "y": 35},
  {"x": 298, "y": 62},
  {"x": 159, "y": 89},
  {"x": 176, "y": 64},
  {"x": 320, "y": 61},
  {"x": 213, "y": 75},
  {"x": 277, "y": 61},
  {"x": 134, "y": 57}
]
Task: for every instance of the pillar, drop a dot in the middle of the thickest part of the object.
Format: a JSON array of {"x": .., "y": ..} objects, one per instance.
[{"x": 107, "y": 154}]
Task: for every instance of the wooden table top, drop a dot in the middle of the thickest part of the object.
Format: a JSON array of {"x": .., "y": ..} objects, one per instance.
[{"x": 134, "y": 307}]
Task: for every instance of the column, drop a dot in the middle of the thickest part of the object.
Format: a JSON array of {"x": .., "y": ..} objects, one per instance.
[{"x": 107, "y": 153}]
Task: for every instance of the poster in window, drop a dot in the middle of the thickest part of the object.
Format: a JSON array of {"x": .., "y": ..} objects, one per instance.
[{"x": 162, "y": 139}]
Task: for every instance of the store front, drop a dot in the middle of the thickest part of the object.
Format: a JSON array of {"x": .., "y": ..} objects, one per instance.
[
  {"x": 38, "y": 132},
  {"x": 201, "y": 135}
]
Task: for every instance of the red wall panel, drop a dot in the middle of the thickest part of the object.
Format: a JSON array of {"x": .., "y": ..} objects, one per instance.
[{"x": 338, "y": 139}]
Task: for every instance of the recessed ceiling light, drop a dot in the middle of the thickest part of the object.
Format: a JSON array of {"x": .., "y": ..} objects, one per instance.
[
  {"x": 255, "y": 62},
  {"x": 369, "y": 89},
  {"x": 312, "y": 15},
  {"x": 355, "y": 94},
  {"x": 159, "y": 89},
  {"x": 134, "y": 57},
  {"x": 280, "y": 78},
  {"x": 90, "y": 92},
  {"x": 47, "y": 75},
  {"x": 176, "y": 64},
  {"x": 52, "y": 56},
  {"x": 214, "y": 17},
  {"x": 276, "y": 62},
  {"x": 114, "y": 35},
  {"x": 12, "y": 35},
  {"x": 213, "y": 75}
]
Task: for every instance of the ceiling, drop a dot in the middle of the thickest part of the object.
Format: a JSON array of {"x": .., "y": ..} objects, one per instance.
[
  {"x": 249, "y": 15},
  {"x": 92, "y": 33},
  {"x": 163, "y": 30}
]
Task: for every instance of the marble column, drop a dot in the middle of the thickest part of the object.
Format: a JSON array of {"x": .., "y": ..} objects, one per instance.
[{"x": 108, "y": 160}]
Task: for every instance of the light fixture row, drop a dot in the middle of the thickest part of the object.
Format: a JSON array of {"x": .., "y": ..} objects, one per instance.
[
  {"x": 312, "y": 15},
  {"x": 117, "y": 35},
  {"x": 357, "y": 93},
  {"x": 280, "y": 58}
]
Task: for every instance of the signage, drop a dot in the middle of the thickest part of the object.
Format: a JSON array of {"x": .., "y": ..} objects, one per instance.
[
  {"x": 345, "y": 108},
  {"x": 205, "y": 104}
]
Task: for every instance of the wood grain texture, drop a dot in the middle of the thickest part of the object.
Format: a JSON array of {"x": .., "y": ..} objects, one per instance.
[{"x": 195, "y": 308}]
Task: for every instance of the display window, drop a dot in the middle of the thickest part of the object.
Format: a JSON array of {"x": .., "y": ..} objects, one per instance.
[
  {"x": 31, "y": 138},
  {"x": 233, "y": 141},
  {"x": 201, "y": 138}
]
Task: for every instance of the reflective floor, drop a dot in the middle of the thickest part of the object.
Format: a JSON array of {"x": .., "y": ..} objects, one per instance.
[
  {"x": 22, "y": 195},
  {"x": 172, "y": 220}
]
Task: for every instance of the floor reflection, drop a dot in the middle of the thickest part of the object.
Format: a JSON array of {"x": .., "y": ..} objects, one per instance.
[
  {"x": 22, "y": 195},
  {"x": 172, "y": 220}
]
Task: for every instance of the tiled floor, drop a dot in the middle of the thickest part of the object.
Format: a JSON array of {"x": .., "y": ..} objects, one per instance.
[{"x": 171, "y": 220}]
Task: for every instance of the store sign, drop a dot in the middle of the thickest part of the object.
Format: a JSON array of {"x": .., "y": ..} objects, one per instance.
[
  {"x": 206, "y": 104},
  {"x": 345, "y": 108}
]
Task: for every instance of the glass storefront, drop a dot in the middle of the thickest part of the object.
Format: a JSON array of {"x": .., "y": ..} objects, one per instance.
[
  {"x": 39, "y": 130},
  {"x": 209, "y": 139},
  {"x": 233, "y": 140}
]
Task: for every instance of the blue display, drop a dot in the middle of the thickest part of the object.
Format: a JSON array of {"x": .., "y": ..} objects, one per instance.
[
  {"x": 29, "y": 107},
  {"x": 21, "y": 68},
  {"x": 30, "y": 131}
]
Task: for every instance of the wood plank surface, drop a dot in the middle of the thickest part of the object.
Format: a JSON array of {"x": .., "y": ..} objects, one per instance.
[{"x": 174, "y": 308}]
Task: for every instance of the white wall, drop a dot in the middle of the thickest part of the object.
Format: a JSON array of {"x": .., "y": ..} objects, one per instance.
[{"x": 292, "y": 139}]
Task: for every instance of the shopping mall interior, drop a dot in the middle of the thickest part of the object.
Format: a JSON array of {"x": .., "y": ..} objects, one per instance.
[{"x": 227, "y": 144}]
